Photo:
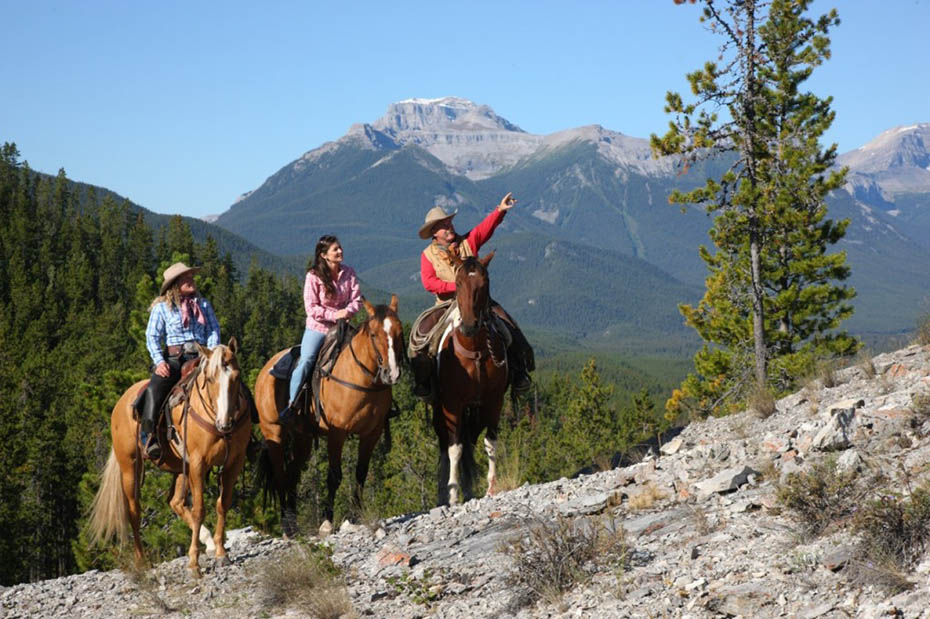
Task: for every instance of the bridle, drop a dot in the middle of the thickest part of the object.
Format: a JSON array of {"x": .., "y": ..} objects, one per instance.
[
  {"x": 379, "y": 376},
  {"x": 482, "y": 321}
]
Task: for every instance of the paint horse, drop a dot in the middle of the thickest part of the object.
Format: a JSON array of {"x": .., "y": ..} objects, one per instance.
[
  {"x": 213, "y": 428},
  {"x": 356, "y": 397},
  {"x": 472, "y": 375}
]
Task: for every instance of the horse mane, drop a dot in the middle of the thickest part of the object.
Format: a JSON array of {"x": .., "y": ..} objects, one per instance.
[{"x": 215, "y": 361}]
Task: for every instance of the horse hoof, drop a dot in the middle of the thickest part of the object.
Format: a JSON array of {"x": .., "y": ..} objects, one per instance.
[
  {"x": 222, "y": 561},
  {"x": 326, "y": 528},
  {"x": 195, "y": 573}
]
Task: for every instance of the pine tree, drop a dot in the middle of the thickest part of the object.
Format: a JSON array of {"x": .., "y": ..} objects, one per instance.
[{"x": 769, "y": 298}]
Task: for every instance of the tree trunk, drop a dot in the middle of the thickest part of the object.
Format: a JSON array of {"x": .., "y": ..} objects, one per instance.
[{"x": 758, "y": 323}]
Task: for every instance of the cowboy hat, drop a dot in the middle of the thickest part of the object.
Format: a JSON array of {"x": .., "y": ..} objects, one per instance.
[
  {"x": 176, "y": 270},
  {"x": 434, "y": 216}
]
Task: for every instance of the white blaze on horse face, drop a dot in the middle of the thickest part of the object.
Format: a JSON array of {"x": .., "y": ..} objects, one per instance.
[
  {"x": 223, "y": 401},
  {"x": 391, "y": 355}
]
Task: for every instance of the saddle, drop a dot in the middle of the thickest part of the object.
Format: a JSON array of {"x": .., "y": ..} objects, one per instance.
[
  {"x": 333, "y": 343},
  {"x": 179, "y": 392}
]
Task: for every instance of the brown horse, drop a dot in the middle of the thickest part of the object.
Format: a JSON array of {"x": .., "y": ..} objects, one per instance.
[
  {"x": 355, "y": 397},
  {"x": 213, "y": 427},
  {"x": 472, "y": 380}
]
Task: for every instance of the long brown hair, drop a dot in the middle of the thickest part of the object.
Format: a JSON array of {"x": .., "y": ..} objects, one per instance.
[{"x": 318, "y": 264}]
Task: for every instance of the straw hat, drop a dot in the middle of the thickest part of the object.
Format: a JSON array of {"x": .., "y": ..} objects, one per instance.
[
  {"x": 176, "y": 270},
  {"x": 435, "y": 215}
]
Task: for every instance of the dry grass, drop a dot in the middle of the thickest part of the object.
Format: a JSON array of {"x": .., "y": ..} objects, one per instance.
[
  {"x": 307, "y": 581},
  {"x": 922, "y": 333},
  {"x": 895, "y": 530},
  {"x": 509, "y": 468},
  {"x": 920, "y": 404},
  {"x": 145, "y": 582},
  {"x": 762, "y": 402},
  {"x": 554, "y": 555},
  {"x": 646, "y": 497},
  {"x": 865, "y": 364},
  {"x": 882, "y": 573}
]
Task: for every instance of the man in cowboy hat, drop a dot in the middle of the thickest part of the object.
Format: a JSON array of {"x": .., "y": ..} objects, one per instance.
[
  {"x": 179, "y": 317},
  {"x": 438, "y": 277}
]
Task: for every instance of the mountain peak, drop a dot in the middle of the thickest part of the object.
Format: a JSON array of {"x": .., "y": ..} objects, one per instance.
[
  {"x": 898, "y": 160},
  {"x": 443, "y": 114}
]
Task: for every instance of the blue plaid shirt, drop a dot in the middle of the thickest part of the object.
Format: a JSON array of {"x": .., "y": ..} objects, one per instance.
[{"x": 165, "y": 329}]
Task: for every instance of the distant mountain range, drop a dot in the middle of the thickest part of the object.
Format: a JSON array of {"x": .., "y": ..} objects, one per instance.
[{"x": 592, "y": 248}]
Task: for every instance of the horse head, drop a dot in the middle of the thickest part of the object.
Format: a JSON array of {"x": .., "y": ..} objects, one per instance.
[
  {"x": 222, "y": 380},
  {"x": 387, "y": 339},
  {"x": 472, "y": 291}
]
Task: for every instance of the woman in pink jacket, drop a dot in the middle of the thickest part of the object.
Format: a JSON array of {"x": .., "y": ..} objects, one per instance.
[{"x": 331, "y": 293}]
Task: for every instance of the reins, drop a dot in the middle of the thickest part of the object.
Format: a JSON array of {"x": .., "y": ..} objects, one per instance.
[
  {"x": 372, "y": 375},
  {"x": 191, "y": 413}
]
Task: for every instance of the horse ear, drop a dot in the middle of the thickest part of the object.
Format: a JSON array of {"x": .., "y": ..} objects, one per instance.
[
  {"x": 455, "y": 259},
  {"x": 368, "y": 307},
  {"x": 233, "y": 345},
  {"x": 202, "y": 350},
  {"x": 393, "y": 304},
  {"x": 486, "y": 260}
]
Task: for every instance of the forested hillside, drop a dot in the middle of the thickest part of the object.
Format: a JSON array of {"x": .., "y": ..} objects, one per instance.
[{"x": 77, "y": 274}]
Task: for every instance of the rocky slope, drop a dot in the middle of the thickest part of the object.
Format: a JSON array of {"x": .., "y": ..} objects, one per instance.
[{"x": 705, "y": 536}]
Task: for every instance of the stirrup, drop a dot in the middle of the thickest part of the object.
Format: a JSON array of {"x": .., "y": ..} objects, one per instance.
[
  {"x": 150, "y": 446},
  {"x": 521, "y": 382},
  {"x": 287, "y": 414}
]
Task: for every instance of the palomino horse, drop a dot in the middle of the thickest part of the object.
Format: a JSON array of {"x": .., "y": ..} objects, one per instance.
[
  {"x": 355, "y": 397},
  {"x": 213, "y": 427},
  {"x": 472, "y": 381}
]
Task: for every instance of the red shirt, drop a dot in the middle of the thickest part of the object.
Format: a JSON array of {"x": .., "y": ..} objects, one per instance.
[{"x": 477, "y": 237}]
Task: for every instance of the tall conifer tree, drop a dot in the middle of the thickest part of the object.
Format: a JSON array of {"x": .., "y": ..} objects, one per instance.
[{"x": 770, "y": 305}]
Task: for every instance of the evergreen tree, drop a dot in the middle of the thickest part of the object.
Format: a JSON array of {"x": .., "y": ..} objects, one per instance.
[{"x": 769, "y": 297}]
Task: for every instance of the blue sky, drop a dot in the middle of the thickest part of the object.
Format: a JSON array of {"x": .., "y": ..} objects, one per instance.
[{"x": 182, "y": 106}]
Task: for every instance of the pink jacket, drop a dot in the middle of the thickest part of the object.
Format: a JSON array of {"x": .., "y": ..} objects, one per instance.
[{"x": 321, "y": 309}]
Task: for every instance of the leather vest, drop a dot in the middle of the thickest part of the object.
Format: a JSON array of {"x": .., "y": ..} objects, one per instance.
[{"x": 438, "y": 256}]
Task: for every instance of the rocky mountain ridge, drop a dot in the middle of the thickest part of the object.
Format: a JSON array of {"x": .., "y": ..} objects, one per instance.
[
  {"x": 588, "y": 186},
  {"x": 704, "y": 533}
]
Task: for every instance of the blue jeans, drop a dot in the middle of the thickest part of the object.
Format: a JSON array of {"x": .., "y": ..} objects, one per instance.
[{"x": 309, "y": 347}]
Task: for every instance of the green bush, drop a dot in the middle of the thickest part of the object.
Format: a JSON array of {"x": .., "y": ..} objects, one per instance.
[{"x": 821, "y": 497}]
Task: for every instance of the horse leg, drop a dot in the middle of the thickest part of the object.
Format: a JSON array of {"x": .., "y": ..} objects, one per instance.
[
  {"x": 442, "y": 476},
  {"x": 283, "y": 487},
  {"x": 335, "y": 440},
  {"x": 195, "y": 477},
  {"x": 455, "y": 456},
  {"x": 490, "y": 447},
  {"x": 366, "y": 446},
  {"x": 227, "y": 483},
  {"x": 130, "y": 481},
  {"x": 178, "y": 504}
]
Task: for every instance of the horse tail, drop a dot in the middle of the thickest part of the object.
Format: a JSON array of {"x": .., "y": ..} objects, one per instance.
[
  {"x": 264, "y": 477},
  {"x": 109, "y": 514}
]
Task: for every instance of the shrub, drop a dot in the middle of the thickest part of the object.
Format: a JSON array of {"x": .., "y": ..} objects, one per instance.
[
  {"x": 306, "y": 580},
  {"x": 555, "y": 555},
  {"x": 920, "y": 404},
  {"x": 922, "y": 334},
  {"x": 896, "y": 529},
  {"x": 820, "y": 497}
]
